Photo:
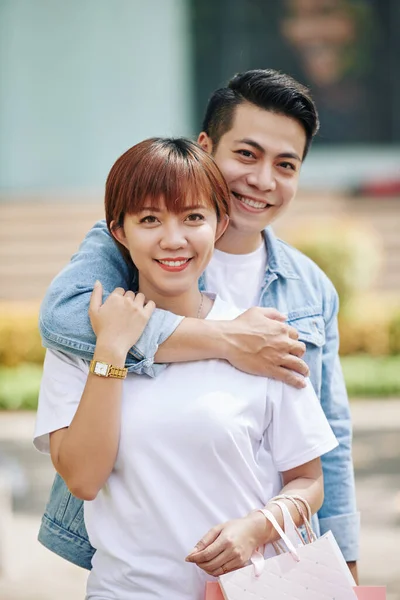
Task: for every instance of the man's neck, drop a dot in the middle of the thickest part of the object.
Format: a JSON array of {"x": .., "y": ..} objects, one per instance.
[{"x": 236, "y": 242}]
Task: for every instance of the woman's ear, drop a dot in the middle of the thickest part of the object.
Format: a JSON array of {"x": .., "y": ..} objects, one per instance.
[
  {"x": 222, "y": 226},
  {"x": 118, "y": 233}
]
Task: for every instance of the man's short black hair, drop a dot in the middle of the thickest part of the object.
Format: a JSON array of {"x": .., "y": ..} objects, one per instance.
[{"x": 267, "y": 89}]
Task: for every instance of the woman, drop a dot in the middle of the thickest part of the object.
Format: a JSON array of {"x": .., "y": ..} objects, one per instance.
[{"x": 162, "y": 462}]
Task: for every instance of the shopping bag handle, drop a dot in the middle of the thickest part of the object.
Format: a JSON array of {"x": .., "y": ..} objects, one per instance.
[{"x": 289, "y": 545}]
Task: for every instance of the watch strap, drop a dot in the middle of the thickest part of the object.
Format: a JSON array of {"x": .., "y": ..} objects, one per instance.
[
  {"x": 118, "y": 372},
  {"x": 107, "y": 370}
]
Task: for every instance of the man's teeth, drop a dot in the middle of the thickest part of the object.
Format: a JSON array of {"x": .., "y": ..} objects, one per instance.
[
  {"x": 252, "y": 203},
  {"x": 173, "y": 263}
]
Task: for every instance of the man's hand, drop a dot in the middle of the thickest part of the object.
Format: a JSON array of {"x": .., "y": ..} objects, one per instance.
[
  {"x": 229, "y": 546},
  {"x": 261, "y": 343}
]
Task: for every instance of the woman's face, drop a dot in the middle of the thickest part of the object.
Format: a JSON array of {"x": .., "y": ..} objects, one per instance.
[{"x": 170, "y": 250}]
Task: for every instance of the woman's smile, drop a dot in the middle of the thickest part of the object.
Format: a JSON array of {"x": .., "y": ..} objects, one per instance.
[{"x": 173, "y": 264}]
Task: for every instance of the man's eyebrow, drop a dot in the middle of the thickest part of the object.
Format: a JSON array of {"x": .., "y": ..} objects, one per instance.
[
  {"x": 251, "y": 142},
  {"x": 289, "y": 155},
  {"x": 258, "y": 147}
]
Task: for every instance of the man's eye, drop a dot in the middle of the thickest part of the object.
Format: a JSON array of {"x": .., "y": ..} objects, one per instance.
[
  {"x": 246, "y": 153},
  {"x": 288, "y": 166},
  {"x": 149, "y": 219},
  {"x": 195, "y": 217}
]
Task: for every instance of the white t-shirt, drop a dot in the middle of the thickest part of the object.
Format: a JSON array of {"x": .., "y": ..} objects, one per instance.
[
  {"x": 200, "y": 444},
  {"x": 238, "y": 278}
]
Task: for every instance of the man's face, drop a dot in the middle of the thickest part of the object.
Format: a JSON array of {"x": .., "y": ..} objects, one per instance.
[{"x": 260, "y": 158}]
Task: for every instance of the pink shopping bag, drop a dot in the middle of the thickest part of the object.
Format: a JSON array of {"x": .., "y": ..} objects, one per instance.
[
  {"x": 213, "y": 592},
  {"x": 370, "y": 592}
]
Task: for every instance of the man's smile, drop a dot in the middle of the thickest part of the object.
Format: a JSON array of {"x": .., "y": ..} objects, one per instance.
[{"x": 251, "y": 203}]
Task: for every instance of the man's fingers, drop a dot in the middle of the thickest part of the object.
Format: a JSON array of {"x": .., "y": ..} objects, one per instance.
[
  {"x": 289, "y": 377},
  {"x": 293, "y": 363},
  {"x": 293, "y": 333},
  {"x": 96, "y": 299},
  {"x": 274, "y": 314},
  {"x": 297, "y": 348}
]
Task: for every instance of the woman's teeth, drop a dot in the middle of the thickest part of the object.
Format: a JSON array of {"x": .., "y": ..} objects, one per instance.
[
  {"x": 251, "y": 203},
  {"x": 173, "y": 263}
]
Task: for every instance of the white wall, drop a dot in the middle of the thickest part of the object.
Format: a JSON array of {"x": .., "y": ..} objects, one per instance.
[{"x": 81, "y": 81}]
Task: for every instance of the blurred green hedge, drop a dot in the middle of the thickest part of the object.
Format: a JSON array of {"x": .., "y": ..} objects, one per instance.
[
  {"x": 19, "y": 335},
  {"x": 366, "y": 377}
]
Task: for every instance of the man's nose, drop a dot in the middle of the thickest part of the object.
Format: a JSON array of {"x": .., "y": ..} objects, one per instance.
[{"x": 263, "y": 178}]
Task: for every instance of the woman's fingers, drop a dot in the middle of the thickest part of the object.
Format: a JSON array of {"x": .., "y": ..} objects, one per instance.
[
  {"x": 227, "y": 567},
  {"x": 204, "y": 550},
  {"x": 119, "y": 291},
  {"x": 96, "y": 299},
  {"x": 130, "y": 294},
  {"x": 149, "y": 308},
  {"x": 215, "y": 565}
]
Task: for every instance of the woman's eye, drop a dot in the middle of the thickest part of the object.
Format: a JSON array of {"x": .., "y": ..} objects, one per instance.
[
  {"x": 149, "y": 219},
  {"x": 195, "y": 217}
]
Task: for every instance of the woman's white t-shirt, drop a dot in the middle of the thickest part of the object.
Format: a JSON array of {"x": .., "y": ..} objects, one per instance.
[{"x": 200, "y": 444}]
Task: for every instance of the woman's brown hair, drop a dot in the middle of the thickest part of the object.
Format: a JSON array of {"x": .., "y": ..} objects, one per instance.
[{"x": 172, "y": 169}]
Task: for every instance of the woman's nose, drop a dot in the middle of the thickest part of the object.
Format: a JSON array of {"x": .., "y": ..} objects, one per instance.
[{"x": 173, "y": 238}]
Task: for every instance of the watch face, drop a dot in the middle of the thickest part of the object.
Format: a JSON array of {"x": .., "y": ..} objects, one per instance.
[{"x": 101, "y": 369}]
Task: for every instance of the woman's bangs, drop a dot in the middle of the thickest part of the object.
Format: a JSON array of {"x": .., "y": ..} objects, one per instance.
[{"x": 179, "y": 186}]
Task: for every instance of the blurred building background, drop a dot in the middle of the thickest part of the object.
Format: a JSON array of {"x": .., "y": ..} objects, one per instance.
[
  {"x": 83, "y": 81},
  {"x": 80, "y": 82}
]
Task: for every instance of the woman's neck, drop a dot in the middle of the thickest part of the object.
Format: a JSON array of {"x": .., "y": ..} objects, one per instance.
[{"x": 188, "y": 304}]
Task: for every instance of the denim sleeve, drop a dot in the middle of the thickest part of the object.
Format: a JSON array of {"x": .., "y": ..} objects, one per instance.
[
  {"x": 64, "y": 321},
  {"x": 338, "y": 512}
]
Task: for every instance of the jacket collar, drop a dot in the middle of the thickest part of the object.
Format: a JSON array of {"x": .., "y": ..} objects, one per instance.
[{"x": 278, "y": 256}]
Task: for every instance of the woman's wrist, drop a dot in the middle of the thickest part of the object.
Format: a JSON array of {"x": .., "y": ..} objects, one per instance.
[
  {"x": 260, "y": 526},
  {"x": 110, "y": 353}
]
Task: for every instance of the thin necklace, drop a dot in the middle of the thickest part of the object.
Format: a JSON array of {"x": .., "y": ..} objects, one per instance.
[{"x": 201, "y": 305}]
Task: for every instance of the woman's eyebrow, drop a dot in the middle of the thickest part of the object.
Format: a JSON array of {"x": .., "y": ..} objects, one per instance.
[{"x": 183, "y": 209}]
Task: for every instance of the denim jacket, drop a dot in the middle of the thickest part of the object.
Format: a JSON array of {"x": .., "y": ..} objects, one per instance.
[{"x": 293, "y": 284}]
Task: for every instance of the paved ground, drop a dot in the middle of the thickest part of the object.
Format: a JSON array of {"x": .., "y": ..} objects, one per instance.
[{"x": 29, "y": 572}]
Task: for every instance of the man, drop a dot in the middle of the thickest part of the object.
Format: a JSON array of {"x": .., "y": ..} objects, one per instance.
[{"x": 259, "y": 129}]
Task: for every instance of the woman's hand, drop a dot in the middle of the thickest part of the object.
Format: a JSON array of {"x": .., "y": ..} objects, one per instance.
[
  {"x": 121, "y": 320},
  {"x": 229, "y": 546}
]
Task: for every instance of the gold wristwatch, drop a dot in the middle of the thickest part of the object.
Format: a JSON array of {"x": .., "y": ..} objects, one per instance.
[{"x": 103, "y": 369}]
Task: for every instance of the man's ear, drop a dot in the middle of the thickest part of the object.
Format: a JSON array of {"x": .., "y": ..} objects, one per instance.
[
  {"x": 118, "y": 233},
  {"x": 205, "y": 142},
  {"x": 222, "y": 226}
]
